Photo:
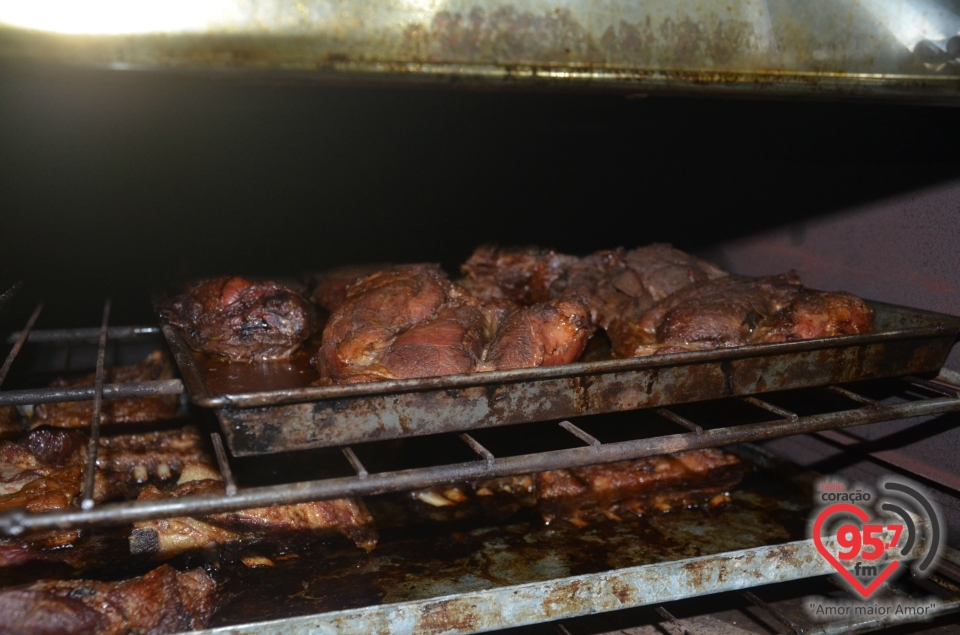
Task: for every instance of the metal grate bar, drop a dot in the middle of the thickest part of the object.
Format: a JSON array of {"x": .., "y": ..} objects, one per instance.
[
  {"x": 17, "y": 522},
  {"x": 85, "y": 335},
  {"x": 90, "y": 475},
  {"x": 849, "y": 394},
  {"x": 34, "y": 396},
  {"x": 581, "y": 434},
  {"x": 18, "y": 344},
  {"x": 777, "y": 615},
  {"x": 769, "y": 407},
  {"x": 230, "y": 486},
  {"x": 664, "y": 613},
  {"x": 677, "y": 419},
  {"x": 936, "y": 387},
  {"x": 484, "y": 453},
  {"x": 355, "y": 462}
]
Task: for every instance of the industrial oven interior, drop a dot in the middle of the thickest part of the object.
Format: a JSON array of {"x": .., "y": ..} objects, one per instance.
[{"x": 787, "y": 480}]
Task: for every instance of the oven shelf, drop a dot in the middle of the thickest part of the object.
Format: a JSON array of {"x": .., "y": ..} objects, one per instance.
[{"x": 364, "y": 483}]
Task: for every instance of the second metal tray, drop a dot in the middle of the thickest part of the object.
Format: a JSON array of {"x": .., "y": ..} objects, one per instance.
[{"x": 274, "y": 407}]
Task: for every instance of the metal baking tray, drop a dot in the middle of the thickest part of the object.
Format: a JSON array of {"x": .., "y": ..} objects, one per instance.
[
  {"x": 275, "y": 407},
  {"x": 460, "y": 577}
]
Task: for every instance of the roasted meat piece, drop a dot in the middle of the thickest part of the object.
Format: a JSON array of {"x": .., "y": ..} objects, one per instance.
[
  {"x": 242, "y": 320},
  {"x": 816, "y": 314},
  {"x": 657, "y": 483},
  {"x": 408, "y": 321},
  {"x": 44, "y": 471},
  {"x": 449, "y": 344},
  {"x": 545, "y": 334},
  {"x": 623, "y": 285},
  {"x": 160, "y": 455},
  {"x": 39, "y": 454},
  {"x": 301, "y": 522},
  {"x": 616, "y": 283},
  {"x": 162, "y": 601},
  {"x": 647, "y": 485},
  {"x": 330, "y": 287},
  {"x": 522, "y": 275},
  {"x": 738, "y": 310},
  {"x": 79, "y": 414}
]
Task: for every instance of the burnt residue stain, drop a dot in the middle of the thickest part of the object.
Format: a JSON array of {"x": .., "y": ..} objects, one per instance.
[
  {"x": 506, "y": 33},
  {"x": 419, "y": 557}
]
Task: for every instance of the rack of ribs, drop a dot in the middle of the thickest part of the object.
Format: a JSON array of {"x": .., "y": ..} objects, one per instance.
[
  {"x": 640, "y": 486},
  {"x": 44, "y": 472},
  {"x": 299, "y": 523},
  {"x": 78, "y": 414}
]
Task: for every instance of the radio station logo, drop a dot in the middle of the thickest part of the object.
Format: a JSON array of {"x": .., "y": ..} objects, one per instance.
[{"x": 869, "y": 538}]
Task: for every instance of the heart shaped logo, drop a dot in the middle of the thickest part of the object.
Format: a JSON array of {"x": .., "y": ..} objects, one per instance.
[{"x": 886, "y": 572}]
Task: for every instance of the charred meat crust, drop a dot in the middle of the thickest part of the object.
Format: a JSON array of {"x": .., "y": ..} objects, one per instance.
[
  {"x": 282, "y": 524},
  {"x": 545, "y": 334},
  {"x": 407, "y": 321},
  {"x": 738, "y": 310},
  {"x": 162, "y": 601},
  {"x": 242, "y": 320}
]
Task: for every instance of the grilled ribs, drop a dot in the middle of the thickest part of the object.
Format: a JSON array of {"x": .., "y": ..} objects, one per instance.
[
  {"x": 162, "y": 601},
  {"x": 299, "y": 523},
  {"x": 44, "y": 472},
  {"x": 242, "y": 320},
  {"x": 641, "y": 486},
  {"x": 738, "y": 310},
  {"x": 79, "y": 414}
]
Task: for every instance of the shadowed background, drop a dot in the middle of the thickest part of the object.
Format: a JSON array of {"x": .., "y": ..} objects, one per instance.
[{"x": 117, "y": 183}]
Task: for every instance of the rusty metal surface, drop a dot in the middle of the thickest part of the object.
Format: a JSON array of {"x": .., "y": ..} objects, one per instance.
[
  {"x": 300, "y": 416},
  {"x": 422, "y": 561},
  {"x": 19, "y": 522},
  {"x": 522, "y": 573},
  {"x": 778, "y": 46}
]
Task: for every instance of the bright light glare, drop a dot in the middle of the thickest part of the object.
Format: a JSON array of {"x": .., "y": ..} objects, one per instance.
[
  {"x": 911, "y": 21},
  {"x": 112, "y": 17}
]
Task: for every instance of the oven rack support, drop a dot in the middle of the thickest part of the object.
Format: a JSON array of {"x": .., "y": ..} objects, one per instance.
[
  {"x": 946, "y": 398},
  {"x": 364, "y": 483}
]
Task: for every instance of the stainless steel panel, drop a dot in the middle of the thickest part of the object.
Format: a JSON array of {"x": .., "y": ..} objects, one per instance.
[{"x": 907, "y": 47}]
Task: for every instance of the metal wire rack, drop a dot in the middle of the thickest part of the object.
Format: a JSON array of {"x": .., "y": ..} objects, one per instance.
[
  {"x": 932, "y": 397},
  {"x": 937, "y": 396}
]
